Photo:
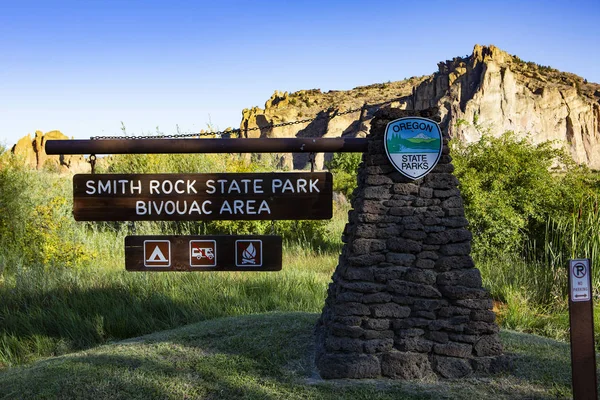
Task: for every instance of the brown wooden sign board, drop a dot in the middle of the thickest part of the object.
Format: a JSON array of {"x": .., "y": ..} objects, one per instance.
[
  {"x": 203, "y": 253},
  {"x": 196, "y": 197}
]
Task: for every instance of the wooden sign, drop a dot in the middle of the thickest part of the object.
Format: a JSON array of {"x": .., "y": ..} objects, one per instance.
[
  {"x": 203, "y": 253},
  {"x": 581, "y": 320},
  {"x": 169, "y": 197}
]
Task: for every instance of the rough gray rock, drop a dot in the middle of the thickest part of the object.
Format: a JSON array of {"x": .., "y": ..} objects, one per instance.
[
  {"x": 489, "y": 90},
  {"x": 405, "y": 365},
  {"x": 358, "y": 366},
  {"x": 452, "y": 367}
]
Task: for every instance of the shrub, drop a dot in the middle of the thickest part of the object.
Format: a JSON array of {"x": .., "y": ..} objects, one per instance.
[
  {"x": 510, "y": 188},
  {"x": 163, "y": 163},
  {"x": 344, "y": 167},
  {"x": 36, "y": 227},
  {"x": 15, "y": 180}
]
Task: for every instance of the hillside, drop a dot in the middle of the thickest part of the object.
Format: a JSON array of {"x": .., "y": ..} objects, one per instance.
[{"x": 266, "y": 356}]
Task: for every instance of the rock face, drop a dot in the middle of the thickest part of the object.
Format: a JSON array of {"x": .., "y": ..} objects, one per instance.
[
  {"x": 338, "y": 113},
  {"x": 406, "y": 300},
  {"x": 34, "y": 154},
  {"x": 490, "y": 90}
]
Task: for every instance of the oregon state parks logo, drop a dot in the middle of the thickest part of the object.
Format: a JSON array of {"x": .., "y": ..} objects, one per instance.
[{"x": 413, "y": 145}]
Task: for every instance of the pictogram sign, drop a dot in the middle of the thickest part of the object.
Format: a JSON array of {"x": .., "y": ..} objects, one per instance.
[
  {"x": 581, "y": 322},
  {"x": 157, "y": 253},
  {"x": 203, "y": 253},
  {"x": 248, "y": 253}
]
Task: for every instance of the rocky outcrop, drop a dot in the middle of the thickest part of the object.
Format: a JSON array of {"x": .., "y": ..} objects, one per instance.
[
  {"x": 33, "y": 153},
  {"x": 492, "y": 91},
  {"x": 488, "y": 91},
  {"x": 337, "y": 113}
]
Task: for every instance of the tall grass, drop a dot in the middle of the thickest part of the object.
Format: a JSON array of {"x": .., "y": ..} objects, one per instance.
[
  {"x": 575, "y": 236},
  {"x": 45, "y": 313},
  {"x": 541, "y": 269},
  {"x": 532, "y": 286}
]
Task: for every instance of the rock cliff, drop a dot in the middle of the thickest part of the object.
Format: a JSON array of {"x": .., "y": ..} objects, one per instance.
[
  {"x": 34, "y": 154},
  {"x": 488, "y": 91}
]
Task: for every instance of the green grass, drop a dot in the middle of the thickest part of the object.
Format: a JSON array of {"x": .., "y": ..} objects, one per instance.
[
  {"x": 46, "y": 313},
  {"x": 265, "y": 356}
]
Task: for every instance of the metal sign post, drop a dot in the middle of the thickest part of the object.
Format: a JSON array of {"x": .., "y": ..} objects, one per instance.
[{"x": 581, "y": 319}]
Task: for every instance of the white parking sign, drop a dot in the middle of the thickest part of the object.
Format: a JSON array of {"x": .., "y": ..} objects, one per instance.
[{"x": 580, "y": 280}]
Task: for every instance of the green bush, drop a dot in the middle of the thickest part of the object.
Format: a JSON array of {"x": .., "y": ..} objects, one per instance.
[
  {"x": 510, "y": 188},
  {"x": 344, "y": 167},
  {"x": 36, "y": 226},
  {"x": 166, "y": 163},
  {"x": 15, "y": 181}
]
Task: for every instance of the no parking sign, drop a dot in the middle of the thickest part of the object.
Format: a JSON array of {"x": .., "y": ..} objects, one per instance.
[{"x": 580, "y": 280}]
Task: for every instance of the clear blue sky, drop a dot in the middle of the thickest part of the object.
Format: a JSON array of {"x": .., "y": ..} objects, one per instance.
[{"x": 82, "y": 67}]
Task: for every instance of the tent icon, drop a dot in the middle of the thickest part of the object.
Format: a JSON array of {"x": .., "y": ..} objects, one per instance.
[{"x": 157, "y": 253}]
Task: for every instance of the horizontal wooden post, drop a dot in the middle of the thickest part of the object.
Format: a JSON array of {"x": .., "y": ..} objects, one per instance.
[{"x": 168, "y": 146}]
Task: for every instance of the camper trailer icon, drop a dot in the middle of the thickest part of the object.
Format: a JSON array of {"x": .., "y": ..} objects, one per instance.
[{"x": 203, "y": 253}]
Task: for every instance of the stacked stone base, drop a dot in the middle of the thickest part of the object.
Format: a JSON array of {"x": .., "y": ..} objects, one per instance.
[{"x": 406, "y": 300}]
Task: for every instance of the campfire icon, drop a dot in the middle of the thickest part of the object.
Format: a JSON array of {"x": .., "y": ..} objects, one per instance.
[{"x": 248, "y": 253}]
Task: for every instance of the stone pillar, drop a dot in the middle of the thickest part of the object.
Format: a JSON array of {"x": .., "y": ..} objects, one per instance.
[{"x": 406, "y": 300}]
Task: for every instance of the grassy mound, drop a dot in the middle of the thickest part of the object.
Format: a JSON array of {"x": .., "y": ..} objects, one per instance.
[{"x": 263, "y": 356}]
